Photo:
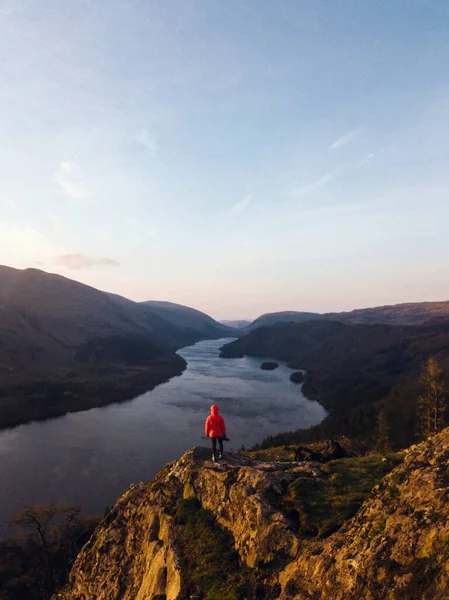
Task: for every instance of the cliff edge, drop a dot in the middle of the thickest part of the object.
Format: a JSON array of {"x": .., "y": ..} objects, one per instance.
[{"x": 247, "y": 528}]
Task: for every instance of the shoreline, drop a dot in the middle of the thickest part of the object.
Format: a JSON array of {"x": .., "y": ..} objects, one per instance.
[{"x": 53, "y": 398}]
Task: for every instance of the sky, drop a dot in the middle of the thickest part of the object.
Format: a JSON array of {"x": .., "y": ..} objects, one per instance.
[{"x": 237, "y": 156}]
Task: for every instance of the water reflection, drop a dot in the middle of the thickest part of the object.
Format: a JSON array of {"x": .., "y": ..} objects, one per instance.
[{"x": 91, "y": 457}]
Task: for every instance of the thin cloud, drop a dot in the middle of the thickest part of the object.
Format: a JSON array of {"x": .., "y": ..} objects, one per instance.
[
  {"x": 366, "y": 160},
  {"x": 70, "y": 179},
  {"x": 243, "y": 203},
  {"x": 346, "y": 139},
  {"x": 333, "y": 209},
  {"x": 145, "y": 139},
  {"x": 75, "y": 262},
  {"x": 317, "y": 184}
]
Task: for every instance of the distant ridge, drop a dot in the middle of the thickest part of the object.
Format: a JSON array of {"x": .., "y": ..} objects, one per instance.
[
  {"x": 237, "y": 324},
  {"x": 186, "y": 317},
  {"x": 410, "y": 313},
  {"x": 285, "y": 316}
]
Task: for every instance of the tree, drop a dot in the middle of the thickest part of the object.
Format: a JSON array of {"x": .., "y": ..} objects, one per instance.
[
  {"x": 38, "y": 518},
  {"x": 56, "y": 533},
  {"x": 383, "y": 432},
  {"x": 432, "y": 402}
]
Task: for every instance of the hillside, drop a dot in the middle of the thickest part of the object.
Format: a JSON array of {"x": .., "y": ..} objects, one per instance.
[
  {"x": 189, "y": 318},
  {"x": 240, "y": 324},
  {"x": 288, "y": 316},
  {"x": 354, "y": 371},
  {"x": 412, "y": 313},
  {"x": 66, "y": 346},
  {"x": 246, "y": 529}
]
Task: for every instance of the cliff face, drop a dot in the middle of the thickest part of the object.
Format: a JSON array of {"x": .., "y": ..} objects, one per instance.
[{"x": 231, "y": 531}]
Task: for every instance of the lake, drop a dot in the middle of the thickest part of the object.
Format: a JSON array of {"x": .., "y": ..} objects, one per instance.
[{"x": 91, "y": 457}]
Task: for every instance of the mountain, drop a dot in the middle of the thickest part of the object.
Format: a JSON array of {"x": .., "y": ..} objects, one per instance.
[
  {"x": 360, "y": 528},
  {"x": 412, "y": 313},
  {"x": 355, "y": 371},
  {"x": 66, "y": 346},
  {"x": 287, "y": 316},
  {"x": 189, "y": 318},
  {"x": 236, "y": 324}
]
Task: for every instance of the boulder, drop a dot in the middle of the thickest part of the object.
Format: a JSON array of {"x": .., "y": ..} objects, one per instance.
[{"x": 321, "y": 452}]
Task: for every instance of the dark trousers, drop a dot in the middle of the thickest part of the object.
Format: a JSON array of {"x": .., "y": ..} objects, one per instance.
[{"x": 214, "y": 445}]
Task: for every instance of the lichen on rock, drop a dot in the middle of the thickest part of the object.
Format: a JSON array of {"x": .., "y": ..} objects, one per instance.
[{"x": 234, "y": 530}]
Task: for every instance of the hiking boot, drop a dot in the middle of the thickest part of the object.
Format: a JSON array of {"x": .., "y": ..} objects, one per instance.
[
  {"x": 220, "y": 455},
  {"x": 213, "y": 458}
]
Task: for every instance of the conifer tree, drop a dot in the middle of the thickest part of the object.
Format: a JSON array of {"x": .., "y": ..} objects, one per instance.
[
  {"x": 432, "y": 402},
  {"x": 383, "y": 432}
]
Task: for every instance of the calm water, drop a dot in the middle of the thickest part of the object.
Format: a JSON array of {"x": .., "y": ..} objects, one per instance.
[{"x": 90, "y": 458}]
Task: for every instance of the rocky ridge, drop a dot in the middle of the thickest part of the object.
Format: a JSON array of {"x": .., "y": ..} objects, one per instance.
[{"x": 395, "y": 547}]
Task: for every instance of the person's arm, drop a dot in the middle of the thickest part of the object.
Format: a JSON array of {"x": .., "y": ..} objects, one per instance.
[
  {"x": 207, "y": 426},
  {"x": 223, "y": 427}
]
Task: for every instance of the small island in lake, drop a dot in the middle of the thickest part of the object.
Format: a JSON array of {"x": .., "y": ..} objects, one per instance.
[
  {"x": 269, "y": 366},
  {"x": 297, "y": 377}
]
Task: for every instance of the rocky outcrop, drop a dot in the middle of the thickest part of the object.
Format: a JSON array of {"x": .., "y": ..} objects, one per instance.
[
  {"x": 396, "y": 545},
  {"x": 135, "y": 554}
]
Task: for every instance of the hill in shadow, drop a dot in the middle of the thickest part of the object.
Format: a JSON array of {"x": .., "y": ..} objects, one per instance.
[
  {"x": 66, "y": 346},
  {"x": 354, "y": 371}
]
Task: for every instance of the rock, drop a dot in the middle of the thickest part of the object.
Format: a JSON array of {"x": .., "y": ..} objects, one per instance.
[
  {"x": 396, "y": 545},
  {"x": 333, "y": 451},
  {"x": 303, "y": 453},
  {"x": 140, "y": 536},
  {"x": 269, "y": 366},
  {"x": 322, "y": 452},
  {"x": 329, "y": 450},
  {"x": 297, "y": 377}
]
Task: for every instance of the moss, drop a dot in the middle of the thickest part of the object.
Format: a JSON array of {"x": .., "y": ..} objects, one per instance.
[
  {"x": 323, "y": 505},
  {"x": 280, "y": 453},
  {"x": 432, "y": 546},
  {"x": 189, "y": 490},
  {"x": 211, "y": 568}
]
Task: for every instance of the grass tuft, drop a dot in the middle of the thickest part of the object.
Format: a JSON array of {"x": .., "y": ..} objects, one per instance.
[{"x": 323, "y": 505}]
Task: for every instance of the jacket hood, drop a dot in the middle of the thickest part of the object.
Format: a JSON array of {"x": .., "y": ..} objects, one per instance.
[{"x": 214, "y": 409}]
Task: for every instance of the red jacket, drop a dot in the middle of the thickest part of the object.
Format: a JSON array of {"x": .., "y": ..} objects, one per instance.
[{"x": 215, "y": 425}]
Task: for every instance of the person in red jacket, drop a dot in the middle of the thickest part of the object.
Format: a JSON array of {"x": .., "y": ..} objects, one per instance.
[{"x": 215, "y": 429}]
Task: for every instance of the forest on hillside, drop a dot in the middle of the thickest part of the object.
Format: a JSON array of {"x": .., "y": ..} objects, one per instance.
[{"x": 360, "y": 373}]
